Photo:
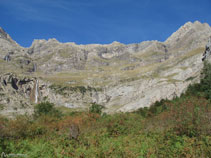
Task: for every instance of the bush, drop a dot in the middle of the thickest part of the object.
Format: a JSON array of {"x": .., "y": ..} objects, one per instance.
[
  {"x": 118, "y": 126},
  {"x": 96, "y": 108},
  {"x": 206, "y": 80},
  {"x": 46, "y": 108},
  {"x": 158, "y": 107},
  {"x": 20, "y": 128},
  {"x": 154, "y": 109},
  {"x": 188, "y": 122},
  {"x": 143, "y": 112},
  {"x": 194, "y": 89},
  {"x": 191, "y": 116}
]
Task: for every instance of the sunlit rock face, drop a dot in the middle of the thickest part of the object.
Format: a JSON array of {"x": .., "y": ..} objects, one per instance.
[{"x": 118, "y": 76}]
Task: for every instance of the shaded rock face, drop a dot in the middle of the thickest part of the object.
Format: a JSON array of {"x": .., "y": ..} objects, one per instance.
[
  {"x": 11, "y": 83},
  {"x": 207, "y": 52},
  {"x": 7, "y": 58},
  {"x": 14, "y": 83},
  {"x": 118, "y": 76},
  {"x": 25, "y": 61}
]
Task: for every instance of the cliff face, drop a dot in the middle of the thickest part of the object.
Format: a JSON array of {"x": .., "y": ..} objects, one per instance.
[
  {"x": 120, "y": 77},
  {"x": 16, "y": 94}
]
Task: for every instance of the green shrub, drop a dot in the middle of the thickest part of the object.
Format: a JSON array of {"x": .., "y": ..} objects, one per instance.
[
  {"x": 35, "y": 129},
  {"x": 118, "y": 126},
  {"x": 46, "y": 108},
  {"x": 20, "y": 128},
  {"x": 204, "y": 87},
  {"x": 194, "y": 89},
  {"x": 143, "y": 112},
  {"x": 96, "y": 108},
  {"x": 158, "y": 107},
  {"x": 189, "y": 120},
  {"x": 154, "y": 109},
  {"x": 206, "y": 80}
]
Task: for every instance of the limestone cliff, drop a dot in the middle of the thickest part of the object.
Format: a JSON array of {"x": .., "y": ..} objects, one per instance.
[{"x": 118, "y": 76}]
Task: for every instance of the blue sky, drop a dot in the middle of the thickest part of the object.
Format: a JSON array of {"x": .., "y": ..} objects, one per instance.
[{"x": 98, "y": 21}]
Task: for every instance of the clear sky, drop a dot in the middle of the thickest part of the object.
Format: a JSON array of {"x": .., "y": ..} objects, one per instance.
[{"x": 99, "y": 21}]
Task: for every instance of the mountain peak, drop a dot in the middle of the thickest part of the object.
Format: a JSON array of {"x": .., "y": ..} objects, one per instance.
[
  {"x": 188, "y": 27},
  {"x": 3, "y": 34}
]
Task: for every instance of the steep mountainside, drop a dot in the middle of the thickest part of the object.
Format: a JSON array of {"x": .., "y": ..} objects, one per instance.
[{"x": 117, "y": 76}]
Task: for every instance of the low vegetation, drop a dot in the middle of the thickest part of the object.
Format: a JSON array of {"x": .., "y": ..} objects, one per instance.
[
  {"x": 177, "y": 128},
  {"x": 96, "y": 108},
  {"x": 46, "y": 108},
  {"x": 64, "y": 90}
]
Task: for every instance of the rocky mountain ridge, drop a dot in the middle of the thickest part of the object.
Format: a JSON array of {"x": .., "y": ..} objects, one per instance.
[{"x": 118, "y": 76}]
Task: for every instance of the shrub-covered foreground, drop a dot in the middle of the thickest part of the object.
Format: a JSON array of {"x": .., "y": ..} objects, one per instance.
[
  {"x": 181, "y": 129},
  {"x": 177, "y": 128}
]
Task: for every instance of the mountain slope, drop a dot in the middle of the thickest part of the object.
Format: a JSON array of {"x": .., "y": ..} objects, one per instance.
[{"x": 120, "y": 77}]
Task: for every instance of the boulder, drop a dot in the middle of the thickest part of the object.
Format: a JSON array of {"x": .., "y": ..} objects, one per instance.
[{"x": 74, "y": 131}]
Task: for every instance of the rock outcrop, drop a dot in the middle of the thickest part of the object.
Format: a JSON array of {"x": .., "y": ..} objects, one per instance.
[
  {"x": 17, "y": 94},
  {"x": 207, "y": 51},
  {"x": 118, "y": 76}
]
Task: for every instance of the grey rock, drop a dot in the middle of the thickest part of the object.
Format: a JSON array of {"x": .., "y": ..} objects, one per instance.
[
  {"x": 25, "y": 61},
  {"x": 34, "y": 67},
  {"x": 207, "y": 51},
  {"x": 74, "y": 131},
  {"x": 7, "y": 58},
  {"x": 14, "y": 83}
]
